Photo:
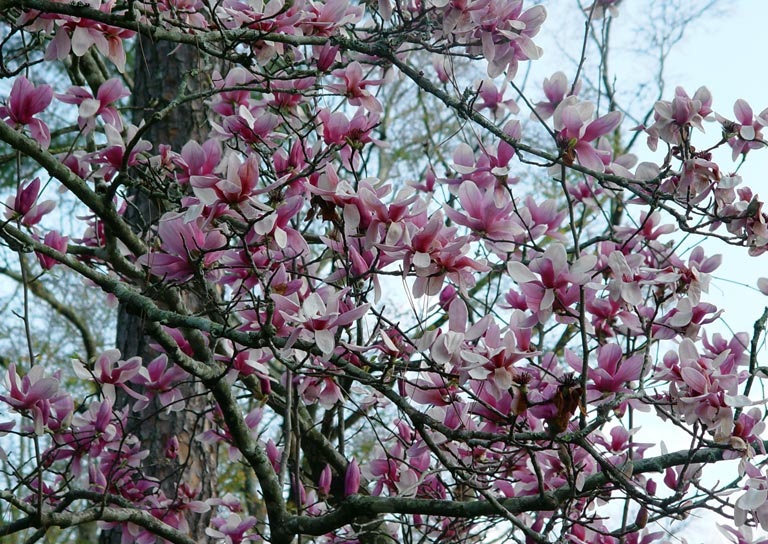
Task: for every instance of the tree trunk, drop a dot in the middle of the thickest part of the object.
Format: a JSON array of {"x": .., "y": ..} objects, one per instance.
[{"x": 162, "y": 71}]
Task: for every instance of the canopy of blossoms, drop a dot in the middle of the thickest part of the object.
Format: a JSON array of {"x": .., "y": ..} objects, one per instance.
[{"x": 458, "y": 349}]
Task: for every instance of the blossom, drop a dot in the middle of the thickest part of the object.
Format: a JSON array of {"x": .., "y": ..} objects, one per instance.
[
  {"x": 77, "y": 35},
  {"x": 599, "y": 8},
  {"x": 673, "y": 119},
  {"x": 549, "y": 283},
  {"x": 576, "y": 131},
  {"x": 24, "y": 206},
  {"x": 747, "y": 130},
  {"x": 231, "y": 95},
  {"x": 349, "y": 135},
  {"x": 56, "y": 241},
  {"x": 111, "y": 372},
  {"x": 319, "y": 315},
  {"x": 24, "y": 102},
  {"x": 613, "y": 370},
  {"x": 482, "y": 213},
  {"x": 492, "y": 98},
  {"x": 160, "y": 380},
  {"x": 354, "y": 87},
  {"x": 89, "y": 108},
  {"x": 36, "y": 394},
  {"x": 253, "y": 125},
  {"x": 352, "y": 479},
  {"x": 556, "y": 88},
  {"x": 112, "y": 157},
  {"x": 754, "y": 499},
  {"x": 232, "y": 529},
  {"x": 185, "y": 249},
  {"x": 324, "y": 481}
]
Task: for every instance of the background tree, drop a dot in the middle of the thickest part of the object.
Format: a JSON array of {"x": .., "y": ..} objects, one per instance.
[{"x": 439, "y": 325}]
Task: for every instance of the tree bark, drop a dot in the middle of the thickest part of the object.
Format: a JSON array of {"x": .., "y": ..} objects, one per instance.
[{"x": 162, "y": 71}]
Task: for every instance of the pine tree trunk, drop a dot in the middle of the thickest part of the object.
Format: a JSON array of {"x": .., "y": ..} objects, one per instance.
[{"x": 162, "y": 71}]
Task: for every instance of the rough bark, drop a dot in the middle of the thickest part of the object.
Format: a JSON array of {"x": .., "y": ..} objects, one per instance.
[{"x": 162, "y": 71}]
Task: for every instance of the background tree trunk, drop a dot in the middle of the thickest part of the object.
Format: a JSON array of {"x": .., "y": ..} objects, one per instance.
[{"x": 162, "y": 71}]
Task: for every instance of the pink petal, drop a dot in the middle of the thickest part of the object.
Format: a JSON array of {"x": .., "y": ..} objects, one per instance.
[
  {"x": 602, "y": 126},
  {"x": 352, "y": 479},
  {"x": 743, "y": 112}
]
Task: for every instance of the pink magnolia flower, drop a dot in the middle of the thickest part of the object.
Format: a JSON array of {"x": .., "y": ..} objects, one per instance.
[
  {"x": 703, "y": 389},
  {"x": 321, "y": 388},
  {"x": 613, "y": 370},
  {"x": 747, "y": 431},
  {"x": 77, "y": 35},
  {"x": 185, "y": 249},
  {"x": 505, "y": 31},
  {"x": 431, "y": 388},
  {"x": 685, "y": 319},
  {"x": 354, "y": 87},
  {"x": 695, "y": 276},
  {"x": 324, "y": 482},
  {"x": 492, "y": 98},
  {"x": 289, "y": 95},
  {"x": 488, "y": 216},
  {"x": 112, "y": 158},
  {"x": 742, "y": 535},
  {"x": 232, "y": 529},
  {"x": 672, "y": 120},
  {"x": 324, "y": 18},
  {"x": 621, "y": 442},
  {"x": 232, "y": 188},
  {"x": 492, "y": 167},
  {"x": 160, "y": 379},
  {"x": 443, "y": 67},
  {"x": 627, "y": 280},
  {"x": 324, "y": 56},
  {"x": 556, "y": 89},
  {"x": 55, "y": 241},
  {"x": 110, "y": 372},
  {"x": 92, "y": 432},
  {"x": 549, "y": 283},
  {"x": 747, "y": 130},
  {"x": 24, "y": 102},
  {"x": 24, "y": 205},
  {"x": 274, "y": 228},
  {"x": 542, "y": 218},
  {"x": 352, "y": 479},
  {"x": 89, "y": 108},
  {"x": 197, "y": 160},
  {"x": 231, "y": 95},
  {"x": 754, "y": 500},
  {"x": 319, "y": 316},
  {"x": 435, "y": 252},
  {"x": 254, "y": 126},
  {"x": 36, "y": 394},
  {"x": 349, "y": 135},
  {"x": 576, "y": 131},
  {"x": 389, "y": 470}
]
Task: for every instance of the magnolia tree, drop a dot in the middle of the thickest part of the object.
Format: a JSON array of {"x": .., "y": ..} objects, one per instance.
[{"x": 445, "y": 336}]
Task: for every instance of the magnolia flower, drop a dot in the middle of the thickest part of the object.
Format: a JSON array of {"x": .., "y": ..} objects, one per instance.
[
  {"x": 24, "y": 206},
  {"x": 37, "y": 395},
  {"x": 352, "y": 479},
  {"x": 56, "y": 241},
  {"x": 24, "y": 102},
  {"x": 549, "y": 283},
  {"x": 354, "y": 87},
  {"x": 186, "y": 249},
  {"x": 89, "y": 108},
  {"x": 110, "y": 372},
  {"x": 576, "y": 131}
]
